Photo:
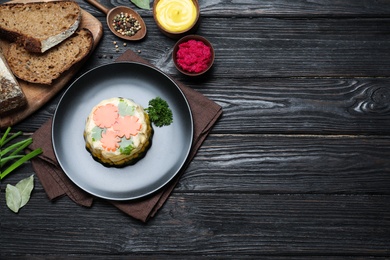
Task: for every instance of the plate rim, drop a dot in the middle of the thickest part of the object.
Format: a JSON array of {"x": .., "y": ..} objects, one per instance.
[{"x": 66, "y": 92}]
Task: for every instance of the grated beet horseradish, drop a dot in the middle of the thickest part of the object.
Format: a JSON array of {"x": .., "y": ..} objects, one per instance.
[{"x": 193, "y": 56}]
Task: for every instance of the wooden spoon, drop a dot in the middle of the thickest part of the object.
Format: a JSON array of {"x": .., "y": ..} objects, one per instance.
[{"x": 117, "y": 10}]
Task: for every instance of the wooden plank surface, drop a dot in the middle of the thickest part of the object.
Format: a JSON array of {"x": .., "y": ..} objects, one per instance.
[
  {"x": 209, "y": 224},
  {"x": 296, "y": 168}
]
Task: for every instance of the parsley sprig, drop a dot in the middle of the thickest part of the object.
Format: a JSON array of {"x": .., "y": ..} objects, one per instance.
[
  {"x": 159, "y": 112},
  {"x": 12, "y": 156}
]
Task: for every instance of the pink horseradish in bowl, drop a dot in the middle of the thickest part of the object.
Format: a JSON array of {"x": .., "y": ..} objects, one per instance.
[{"x": 193, "y": 55}]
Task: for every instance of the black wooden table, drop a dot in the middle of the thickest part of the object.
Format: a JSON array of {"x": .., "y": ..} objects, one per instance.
[{"x": 298, "y": 166}]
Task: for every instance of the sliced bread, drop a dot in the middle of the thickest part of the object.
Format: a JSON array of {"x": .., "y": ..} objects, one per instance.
[
  {"x": 39, "y": 26},
  {"x": 11, "y": 95},
  {"x": 43, "y": 68}
]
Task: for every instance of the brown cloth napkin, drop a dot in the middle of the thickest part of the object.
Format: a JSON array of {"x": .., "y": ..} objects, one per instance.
[{"x": 56, "y": 184}]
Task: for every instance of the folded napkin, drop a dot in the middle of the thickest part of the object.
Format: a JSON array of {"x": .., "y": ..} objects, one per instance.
[{"x": 56, "y": 184}]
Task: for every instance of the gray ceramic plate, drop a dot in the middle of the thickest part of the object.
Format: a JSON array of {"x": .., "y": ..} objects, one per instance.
[{"x": 170, "y": 146}]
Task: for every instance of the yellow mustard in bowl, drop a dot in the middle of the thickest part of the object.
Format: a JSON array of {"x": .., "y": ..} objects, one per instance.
[{"x": 176, "y": 15}]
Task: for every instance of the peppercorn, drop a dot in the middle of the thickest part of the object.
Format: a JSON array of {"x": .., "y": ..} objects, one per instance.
[{"x": 126, "y": 24}]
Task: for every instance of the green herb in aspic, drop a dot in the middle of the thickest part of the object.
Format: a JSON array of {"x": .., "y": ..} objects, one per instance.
[
  {"x": 159, "y": 112},
  {"x": 13, "y": 156}
]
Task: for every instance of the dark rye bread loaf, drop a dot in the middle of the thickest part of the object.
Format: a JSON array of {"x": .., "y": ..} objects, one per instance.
[
  {"x": 11, "y": 95},
  {"x": 39, "y": 26},
  {"x": 45, "y": 67}
]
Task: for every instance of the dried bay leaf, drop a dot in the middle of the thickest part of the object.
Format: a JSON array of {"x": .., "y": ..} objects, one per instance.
[
  {"x": 25, "y": 188},
  {"x": 143, "y": 4},
  {"x": 13, "y": 198},
  {"x": 17, "y": 196}
]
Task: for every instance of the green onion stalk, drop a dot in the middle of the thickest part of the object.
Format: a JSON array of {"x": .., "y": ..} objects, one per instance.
[{"x": 12, "y": 156}]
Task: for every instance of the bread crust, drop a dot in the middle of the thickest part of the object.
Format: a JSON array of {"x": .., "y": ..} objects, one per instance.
[
  {"x": 27, "y": 38},
  {"x": 12, "y": 97}
]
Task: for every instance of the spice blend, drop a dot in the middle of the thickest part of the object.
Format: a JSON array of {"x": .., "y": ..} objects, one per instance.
[{"x": 126, "y": 24}]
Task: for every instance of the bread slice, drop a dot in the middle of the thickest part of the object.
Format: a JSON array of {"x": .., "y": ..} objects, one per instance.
[
  {"x": 45, "y": 67},
  {"x": 11, "y": 95},
  {"x": 39, "y": 26}
]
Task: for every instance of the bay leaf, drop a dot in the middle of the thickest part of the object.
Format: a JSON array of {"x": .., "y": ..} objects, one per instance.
[
  {"x": 25, "y": 187},
  {"x": 13, "y": 198},
  {"x": 143, "y": 4},
  {"x": 17, "y": 196}
]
